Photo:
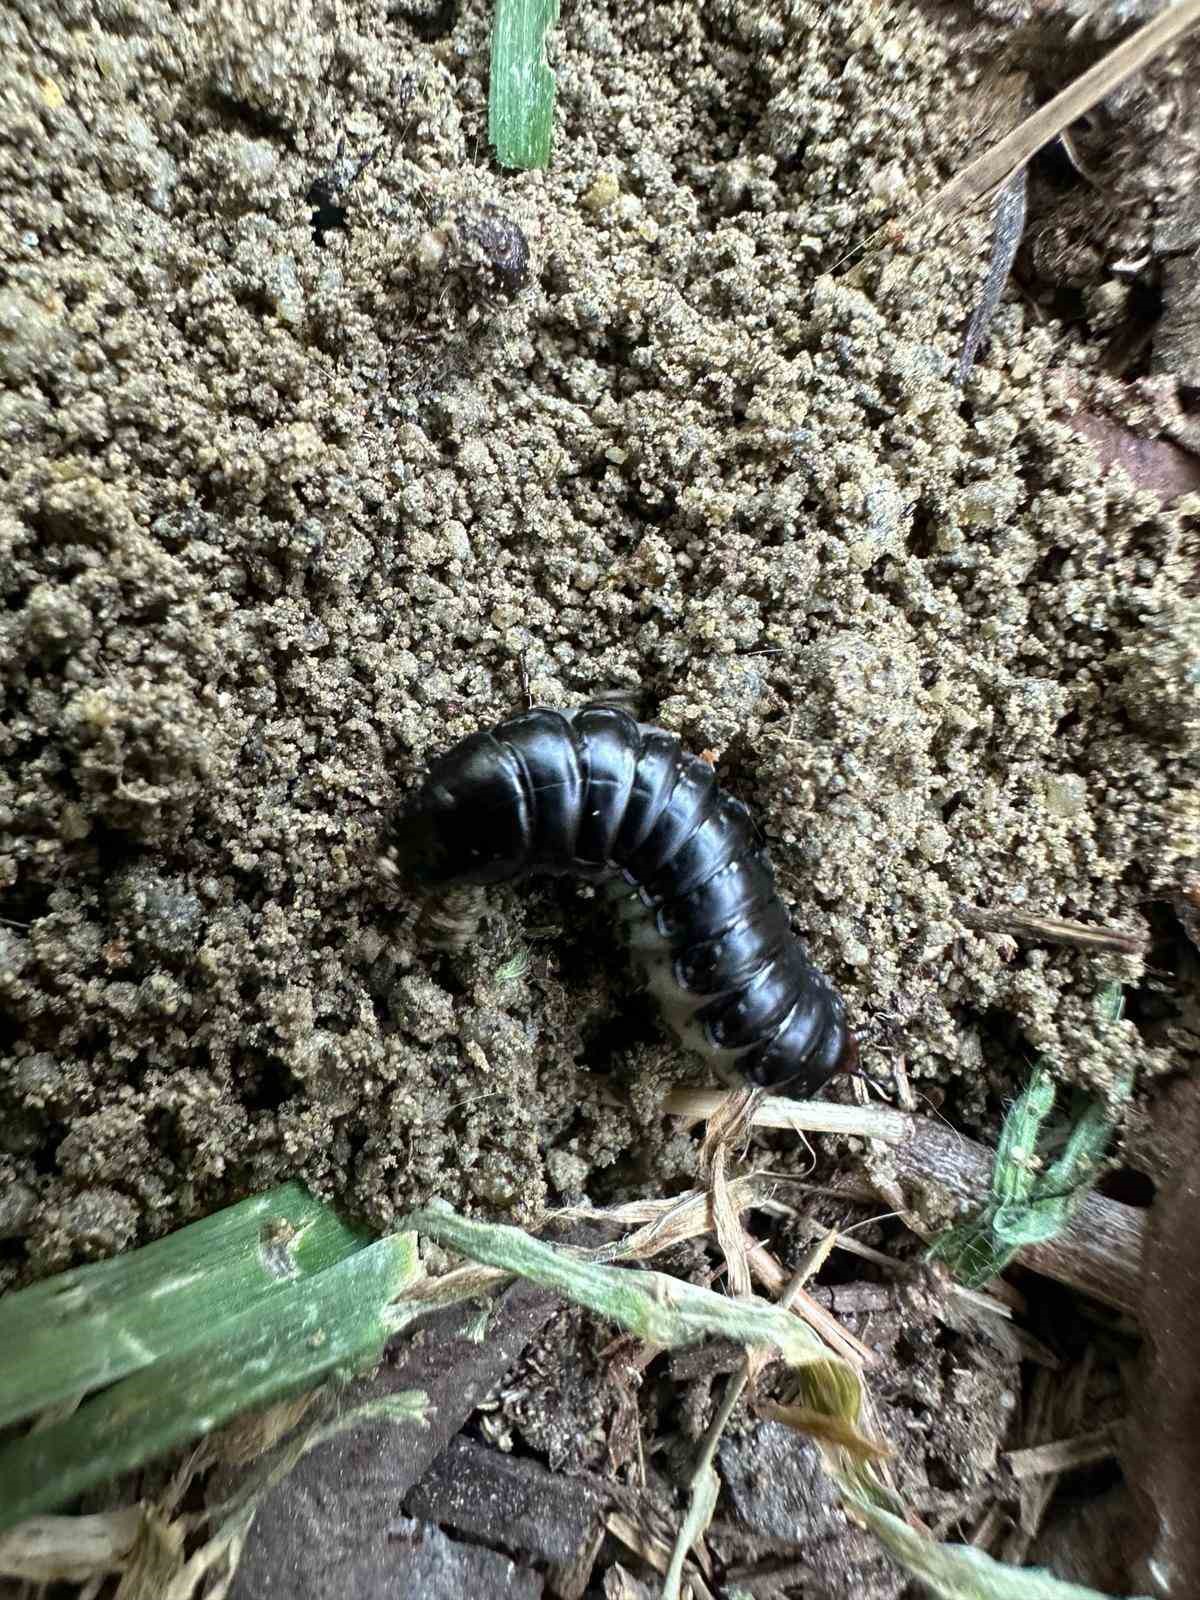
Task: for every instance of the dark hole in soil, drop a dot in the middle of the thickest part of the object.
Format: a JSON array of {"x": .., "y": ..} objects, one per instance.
[
  {"x": 1067, "y": 305},
  {"x": 587, "y": 939},
  {"x": 1128, "y": 352},
  {"x": 922, "y": 541},
  {"x": 24, "y": 904},
  {"x": 1130, "y": 1187},
  {"x": 906, "y": 1352},
  {"x": 1154, "y": 1001},
  {"x": 1068, "y": 723},
  {"x": 356, "y": 1141},
  {"x": 271, "y": 1087},
  {"x": 1084, "y": 1484},
  {"x": 1054, "y": 165},
  {"x": 655, "y": 512},
  {"x": 1145, "y": 302},
  {"x": 1051, "y": 564},
  {"x": 1007, "y": 1064},
  {"x": 253, "y": 119},
  {"x": 1055, "y": 1316},
  {"x": 452, "y": 974},
  {"x": 606, "y": 1043},
  {"x": 1146, "y": 1007},
  {"x": 430, "y": 21},
  {"x": 325, "y": 193},
  {"x": 44, "y": 1159},
  {"x": 13, "y": 1253},
  {"x": 325, "y": 218}
]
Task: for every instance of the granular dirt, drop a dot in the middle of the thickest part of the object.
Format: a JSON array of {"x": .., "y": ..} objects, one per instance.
[{"x": 291, "y": 504}]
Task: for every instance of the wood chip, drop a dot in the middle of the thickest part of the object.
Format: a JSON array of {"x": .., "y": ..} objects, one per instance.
[
  {"x": 653, "y": 1551},
  {"x": 70, "y": 1549},
  {"x": 1063, "y": 1454}
]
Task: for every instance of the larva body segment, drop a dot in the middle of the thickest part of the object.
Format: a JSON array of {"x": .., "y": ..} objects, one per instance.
[{"x": 594, "y": 794}]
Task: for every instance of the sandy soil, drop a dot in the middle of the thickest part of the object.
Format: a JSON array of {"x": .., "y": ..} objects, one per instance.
[{"x": 285, "y": 510}]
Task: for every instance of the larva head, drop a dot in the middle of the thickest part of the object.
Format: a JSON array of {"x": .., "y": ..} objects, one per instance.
[
  {"x": 438, "y": 845},
  {"x": 417, "y": 849},
  {"x": 469, "y": 823},
  {"x": 803, "y": 1075}
]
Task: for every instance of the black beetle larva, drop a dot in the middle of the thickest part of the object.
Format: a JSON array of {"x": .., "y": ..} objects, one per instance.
[{"x": 594, "y": 794}]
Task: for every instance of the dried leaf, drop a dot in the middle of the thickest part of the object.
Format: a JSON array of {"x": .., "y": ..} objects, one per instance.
[
  {"x": 827, "y": 1429},
  {"x": 69, "y": 1549},
  {"x": 1008, "y": 228}
]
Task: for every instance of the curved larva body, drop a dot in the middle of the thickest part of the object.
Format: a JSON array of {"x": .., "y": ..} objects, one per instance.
[{"x": 594, "y": 794}]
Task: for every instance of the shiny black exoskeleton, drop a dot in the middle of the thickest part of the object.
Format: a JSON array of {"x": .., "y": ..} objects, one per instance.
[{"x": 594, "y": 794}]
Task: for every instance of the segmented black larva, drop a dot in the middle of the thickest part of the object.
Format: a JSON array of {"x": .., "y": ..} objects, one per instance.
[{"x": 594, "y": 794}]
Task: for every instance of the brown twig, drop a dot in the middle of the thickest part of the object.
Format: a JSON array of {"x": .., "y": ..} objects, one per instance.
[
  {"x": 988, "y": 171},
  {"x": 654, "y": 1551},
  {"x": 1098, "y": 1252},
  {"x": 772, "y": 1276},
  {"x": 1052, "y": 930}
]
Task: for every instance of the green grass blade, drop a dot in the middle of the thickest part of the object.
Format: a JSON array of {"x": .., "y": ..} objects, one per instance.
[
  {"x": 659, "y": 1309},
  {"x": 1016, "y": 1168},
  {"x": 960, "y": 1571},
  {"x": 1031, "y": 1202},
  {"x": 337, "y": 1320},
  {"x": 89, "y": 1327},
  {"x": 521, "y": 86}
]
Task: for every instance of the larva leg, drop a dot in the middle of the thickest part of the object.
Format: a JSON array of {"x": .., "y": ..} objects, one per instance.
[{"x": 450, "y": 919}]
